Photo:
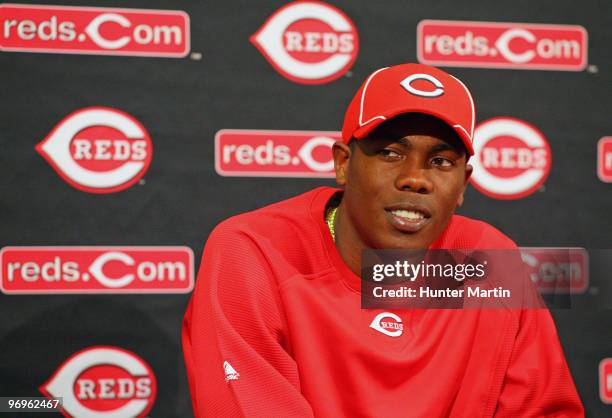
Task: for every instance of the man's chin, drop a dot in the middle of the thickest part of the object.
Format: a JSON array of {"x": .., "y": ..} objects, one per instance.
[{"x": 406, "y": 241}]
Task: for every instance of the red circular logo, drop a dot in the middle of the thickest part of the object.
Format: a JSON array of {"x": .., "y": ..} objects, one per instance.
[
  {"x": 309, "y": 42},
  {"x": 103, "y": 381},
  {"x": 512, "y": 158},
  {"x": 98, "y": 150}
]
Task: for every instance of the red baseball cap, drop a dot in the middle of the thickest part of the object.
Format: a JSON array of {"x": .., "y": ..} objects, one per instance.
[{"x": 407, "y": 88}]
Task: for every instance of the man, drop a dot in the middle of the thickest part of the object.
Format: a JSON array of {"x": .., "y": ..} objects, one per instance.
[{"x": 275, "y": 328}]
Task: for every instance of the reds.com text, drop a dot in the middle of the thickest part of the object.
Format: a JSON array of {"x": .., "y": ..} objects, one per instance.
[
  {"x": 254, "y": 153},
  {"x": 502, "y": 45},
  {"x": 604, "y": 159},
  {"x": 96, "y": 270},
  {"x": 94, "y": 30},
  {"x": 557, "y": 270},
  {"x": 605, "y": 380}
]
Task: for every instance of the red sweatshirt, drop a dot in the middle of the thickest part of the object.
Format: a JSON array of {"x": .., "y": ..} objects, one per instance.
[{"x": 275, "y": 329}]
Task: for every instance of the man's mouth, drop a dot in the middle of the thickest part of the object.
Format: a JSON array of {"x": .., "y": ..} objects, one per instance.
[{"x": 408, "y": 219}]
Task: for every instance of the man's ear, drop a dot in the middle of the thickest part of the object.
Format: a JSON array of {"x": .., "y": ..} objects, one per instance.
[
  {"x": 468, "y": 173},
  {"x": 342, "y": 153}
]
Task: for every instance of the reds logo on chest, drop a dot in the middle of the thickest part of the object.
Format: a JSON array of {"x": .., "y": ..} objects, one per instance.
[{"x": 388, "y": 323}]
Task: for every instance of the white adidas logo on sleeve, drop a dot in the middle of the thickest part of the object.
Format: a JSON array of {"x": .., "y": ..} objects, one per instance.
[{"x": 230, "y": 372}]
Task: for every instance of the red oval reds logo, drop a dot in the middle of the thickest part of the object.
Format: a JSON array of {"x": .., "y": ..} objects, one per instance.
[
  {"x": 308, "y": 42},
  {"x": 103, "y": 381},
  {"x": 98, "y": 150},
  {"x": 512, "y": 158}
]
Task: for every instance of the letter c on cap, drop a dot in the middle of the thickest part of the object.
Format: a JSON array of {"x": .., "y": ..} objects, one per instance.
[{"x": 406, "y": 83}]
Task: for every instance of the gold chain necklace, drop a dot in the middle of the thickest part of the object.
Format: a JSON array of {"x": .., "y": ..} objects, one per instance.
[{"x": 330, "y": 218}]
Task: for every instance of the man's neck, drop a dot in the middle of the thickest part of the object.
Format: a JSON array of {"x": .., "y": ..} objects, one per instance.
[{"x": 348, "y": 242}]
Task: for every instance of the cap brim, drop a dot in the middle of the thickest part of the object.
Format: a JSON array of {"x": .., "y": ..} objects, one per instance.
[{"x": 365, "y": 130}]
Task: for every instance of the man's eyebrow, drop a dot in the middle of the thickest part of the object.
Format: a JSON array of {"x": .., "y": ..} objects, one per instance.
[
  {"x": 445, "y": 146},
  {"x": 404, "y": 141},
  {"x": 442, "y": 146}
]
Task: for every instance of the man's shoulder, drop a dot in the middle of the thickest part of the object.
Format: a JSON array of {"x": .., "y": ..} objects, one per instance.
[
  {"x": 287, "y": 210},
  {"x": 286, "y": 232},
  {"x": 464, "y": 232},
  {"x": 282, "y": 220}
]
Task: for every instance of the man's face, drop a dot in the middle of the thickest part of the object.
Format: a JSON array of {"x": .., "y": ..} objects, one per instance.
[{"x": 402, "y": 183}]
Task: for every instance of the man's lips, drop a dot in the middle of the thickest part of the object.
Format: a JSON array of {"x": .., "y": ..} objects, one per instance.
[{"x": 408, "y": 218}]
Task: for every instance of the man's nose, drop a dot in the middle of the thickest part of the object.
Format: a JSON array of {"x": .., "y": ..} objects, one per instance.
[{"x": 414, "y": 177}]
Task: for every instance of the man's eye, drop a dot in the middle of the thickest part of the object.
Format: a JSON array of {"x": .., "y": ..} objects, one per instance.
[
  {"x": 441, "y": 162},
  {"x": 389, "y": 153}
]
